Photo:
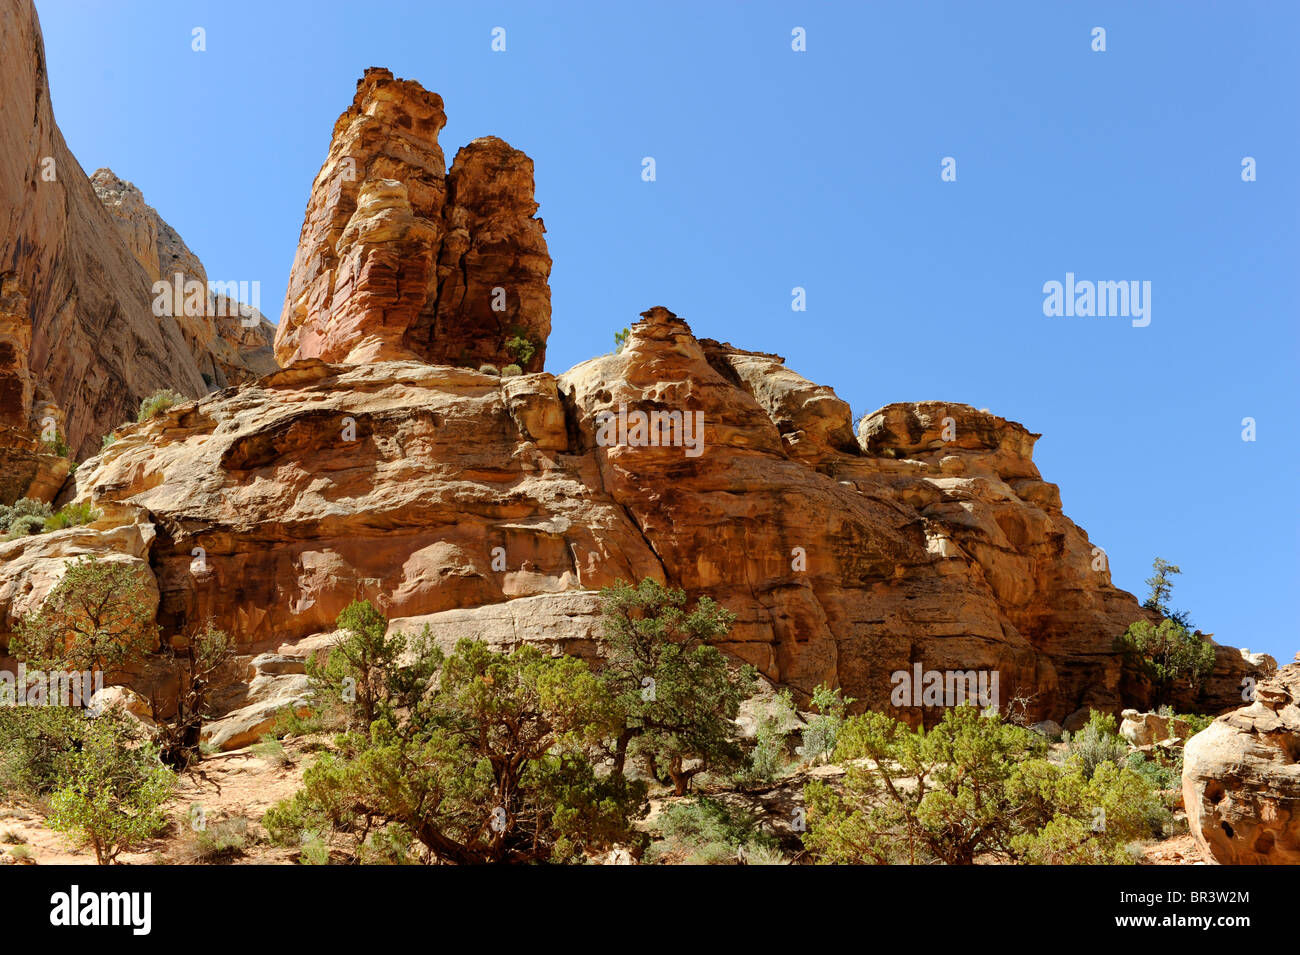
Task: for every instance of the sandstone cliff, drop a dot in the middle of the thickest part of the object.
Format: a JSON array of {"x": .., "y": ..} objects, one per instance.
[
  {"x": 229, "y": 348},
  {"x": 380, "y": 463},
  {"x": 75, "y": 320},
  {"x": 400, "y": 260},
  {"x": 80, "y": 342},
  {"x": 496, "y": 507}
]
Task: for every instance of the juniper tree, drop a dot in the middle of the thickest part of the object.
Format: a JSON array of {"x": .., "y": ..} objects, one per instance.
[{"x": 678, "y": 696}]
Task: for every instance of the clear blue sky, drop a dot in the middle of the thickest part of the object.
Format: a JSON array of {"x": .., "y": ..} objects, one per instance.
[{"x": 821, "y": 169}]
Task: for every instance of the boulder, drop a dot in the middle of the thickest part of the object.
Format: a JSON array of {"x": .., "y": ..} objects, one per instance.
[{"x": 1241, "y": 778}]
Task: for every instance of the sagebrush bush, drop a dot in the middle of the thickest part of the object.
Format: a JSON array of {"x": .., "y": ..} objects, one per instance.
[
  {"x": 511, "y": 371},
  {"x": 158, "y": 402},
  {"x": 1098, "y": 742},
  {"x": 23, "y": 507}
]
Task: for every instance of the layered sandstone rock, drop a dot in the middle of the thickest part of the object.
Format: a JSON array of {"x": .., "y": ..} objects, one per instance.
[
  {"x": 398, "y": 259},
  {"x": 497, "y": 508},
  {"x": 1241, "y": 778},
  {"x": 75, "y": 315},
  {"x": 231, "y": 341}
]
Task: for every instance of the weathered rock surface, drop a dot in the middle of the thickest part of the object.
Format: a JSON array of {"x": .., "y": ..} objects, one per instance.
[
  {"x": 230, "y": 344},
  {"x": 490, "y": 507},
  {"x": 1241, "y": 778},
  {"x": 75, "y": 317},
  {"x": 399, "y": 259}
]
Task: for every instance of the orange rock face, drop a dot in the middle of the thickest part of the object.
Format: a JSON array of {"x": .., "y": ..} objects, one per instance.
[
  {"x": 400, "y": 260},
  {"x": 497, "y": 507},
  {"x": 75, "y": 319}
]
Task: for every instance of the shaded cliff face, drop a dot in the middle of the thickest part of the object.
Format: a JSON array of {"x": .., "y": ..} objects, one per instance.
[
  {"x": 495, "y": 508},
  {"x": 226, "y": 350},
  {"x": 80, "y": 340},
  {"x": 76, "y": 325},
  {"x": 400, "y": 260}
]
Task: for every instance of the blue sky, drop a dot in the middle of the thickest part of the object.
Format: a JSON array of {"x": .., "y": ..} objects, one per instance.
[{"x": 821, "y": 169}]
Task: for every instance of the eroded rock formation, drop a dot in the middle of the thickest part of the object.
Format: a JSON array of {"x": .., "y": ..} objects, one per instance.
[
  {"x": 230, "y": 344},
  {"x": 1241, "y": 778},
  {"x": 497, "y": 507},
  {"x": 79, "y": 339},
  {"x": 400, "y": 260},
  {"x": 75, "y": 317}
]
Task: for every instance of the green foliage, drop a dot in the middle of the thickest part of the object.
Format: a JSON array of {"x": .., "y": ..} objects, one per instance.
[
  {"x": 677, "y": 696},
  {"x": 767, "y": 760},
  {"x": 25, "y": 527},
  {"x": 218, "y": 841},
  {"x": 72, "y": 515},
  {"x": 112, "y": 795},
  {"x": 24, "y": 508},
  {"x": 489, "y": 762},
  {"x": 706, "y": 831},
  {"x": 107, "y": 440},
  {"x": 1167, "y": 654},
  {"x": 822, "y": 731},
  {"x": 1195, "y": 722},
  {"x": 363, "y": 677},
  {"x": 620, "y": 339},
  {"x": 1162, "y": 587},
  {"x": 1097, "y": 743},
  {"x": 511, "y": 371},
  {"x": 158, "y": 402},
  {"x": 490, "y": 370},
  {"x": 56, "y": 445},
  {"x": 35, "y": 745},
  {"x": 521, "y": 347},
  {"x": 971, "y": 786},
  {"x": 95, "y": 618}
]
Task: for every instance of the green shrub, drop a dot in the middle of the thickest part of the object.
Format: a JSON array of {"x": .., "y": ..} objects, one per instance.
[
  {"x": 677, "y": 696},
  {"x": 158, "y": 402},
  {"x": 511, "y": 371},
  {"x": 455, "y": 740},
  {"x": 107, "y": 440},
  {"x": 521, "y": 347},
  {"x": 56, "y": 445},
  {"x": 25, "y": 527},
  {"x": 219, "y": 842},
  {"x": 271, "y": 750},
  {"x": 112, "y": 795},
  {"x": 36, "y": 743},
  {"x": 1098, "y": 742},
  {"x": 824, "y": 727},
  {"x": 972, "y": 787},
  {"x": 620, "y": 339},
  {"x": 706, "y": 831},
  {"x": 20, "y": 853},
  {"x": 97, "y": 617},
  {"x": 23, "y": 507},
  {"x": 72, "y": 515},
  {"x": 767, "y": 759},
  {"x": 489, "y": 370}
]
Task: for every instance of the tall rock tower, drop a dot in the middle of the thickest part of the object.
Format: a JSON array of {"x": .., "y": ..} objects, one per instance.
[{"x": 400, "y": 260}]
